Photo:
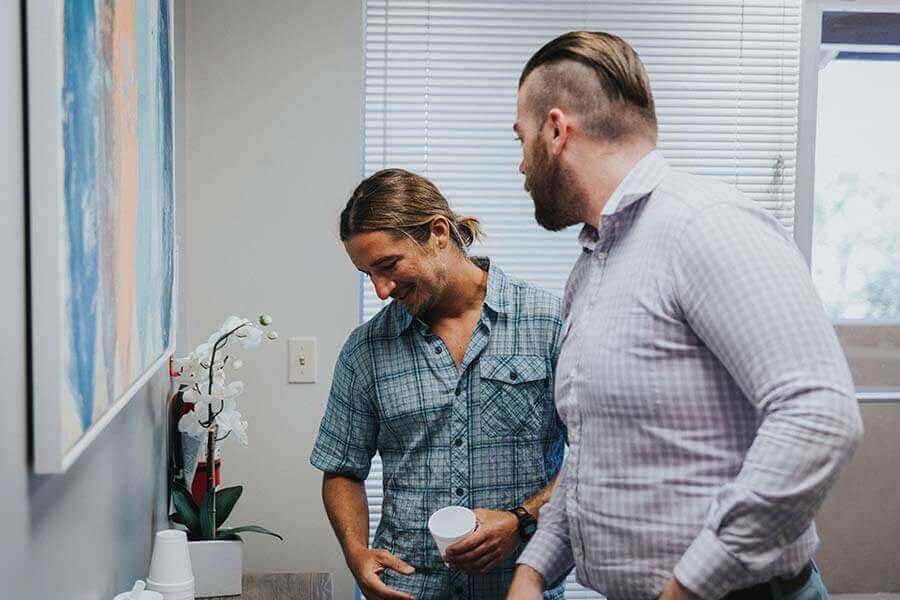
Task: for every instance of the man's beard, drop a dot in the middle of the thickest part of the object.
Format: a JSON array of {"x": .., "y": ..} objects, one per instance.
[
  {"x": 427, "y": 294},
  {"x": 553, "y": 189}
]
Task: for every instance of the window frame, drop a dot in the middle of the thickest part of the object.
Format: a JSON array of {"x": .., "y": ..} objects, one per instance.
[{"x": 810, "y": 42}]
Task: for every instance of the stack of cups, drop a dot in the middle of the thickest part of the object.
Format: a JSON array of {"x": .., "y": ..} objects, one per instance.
[{"x": 170, "y": 566}]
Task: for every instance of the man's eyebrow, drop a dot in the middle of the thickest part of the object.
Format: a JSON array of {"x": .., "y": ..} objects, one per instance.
[{"x": 384, "y": 259}]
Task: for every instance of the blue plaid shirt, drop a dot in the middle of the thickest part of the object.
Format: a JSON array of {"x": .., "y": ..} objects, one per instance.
[{"x": 484, "y": 436}]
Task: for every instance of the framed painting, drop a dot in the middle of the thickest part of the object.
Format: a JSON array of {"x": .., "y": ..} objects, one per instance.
[{"x": 101, "y": 213}]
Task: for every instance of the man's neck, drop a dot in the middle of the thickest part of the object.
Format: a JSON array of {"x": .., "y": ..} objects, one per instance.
[
  {"x": 604, "y": 169},
  {"x": 466, "y": 290}
]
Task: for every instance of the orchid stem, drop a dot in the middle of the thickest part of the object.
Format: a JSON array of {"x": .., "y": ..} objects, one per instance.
[{"x": 211, "y": 468}]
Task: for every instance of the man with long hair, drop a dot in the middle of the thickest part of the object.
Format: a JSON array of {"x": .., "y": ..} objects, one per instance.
[{"x": 452, "y": 383}]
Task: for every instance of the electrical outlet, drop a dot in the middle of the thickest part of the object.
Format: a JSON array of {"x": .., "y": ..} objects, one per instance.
[{"x": 302, "y": 360}]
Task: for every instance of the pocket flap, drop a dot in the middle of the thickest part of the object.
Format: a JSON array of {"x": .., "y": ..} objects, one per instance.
[{"x": 513, "y": 368}]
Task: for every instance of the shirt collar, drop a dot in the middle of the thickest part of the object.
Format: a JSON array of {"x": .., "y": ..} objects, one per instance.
[
  {"x": 496, "y": 298},
  {"x": 644, "y": 177}
]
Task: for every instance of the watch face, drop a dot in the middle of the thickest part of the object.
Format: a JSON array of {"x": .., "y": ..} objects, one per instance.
[{"x": 527, "y": 523}]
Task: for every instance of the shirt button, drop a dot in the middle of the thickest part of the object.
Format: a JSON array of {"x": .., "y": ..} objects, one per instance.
[
  {"x": 457, "y": 392},
  {"x": 460, "y": 491},
  {"x": 458, "y": 442},
  {"x": 576, "y": 552},
  {"x": 437, "y": 349},
  {"x": 513, "y": 375},
  {"x": 600, "y": 254}
]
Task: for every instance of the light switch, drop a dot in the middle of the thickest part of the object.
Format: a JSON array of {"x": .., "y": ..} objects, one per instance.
[{"x": 302, "y": 360}]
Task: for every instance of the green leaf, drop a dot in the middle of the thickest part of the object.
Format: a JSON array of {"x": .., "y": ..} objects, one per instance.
[
  {"x": 207, "y": 524},
  {"x": 182, "y": 489},
  {"x": 185, "y": 507},
  {"x": 225, "y": 501},
  {"x": 228, "y": 531}
]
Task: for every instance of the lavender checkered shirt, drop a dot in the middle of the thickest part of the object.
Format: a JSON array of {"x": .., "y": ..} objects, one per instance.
[{"x": 708, "y": 403}]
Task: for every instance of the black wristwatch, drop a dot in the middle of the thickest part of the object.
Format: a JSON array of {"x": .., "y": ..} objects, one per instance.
[{"x": 527, "y": 523}]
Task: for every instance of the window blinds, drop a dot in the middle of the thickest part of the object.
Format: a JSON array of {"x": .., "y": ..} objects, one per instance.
[{"x": 440, "y": 100}]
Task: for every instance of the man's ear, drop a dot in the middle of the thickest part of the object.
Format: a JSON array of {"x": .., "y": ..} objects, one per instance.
[
  {"x": 440, "y": 231},
  {"x": 559, "y": 130}
]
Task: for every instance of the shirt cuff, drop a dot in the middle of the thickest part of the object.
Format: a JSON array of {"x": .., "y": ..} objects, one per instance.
[
  {"x": 709, "y": 570},
  {"x": 550, "y": 556}
]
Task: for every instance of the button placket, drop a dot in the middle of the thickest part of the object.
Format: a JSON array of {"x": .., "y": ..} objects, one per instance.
[{"x": 459, "y": 431}]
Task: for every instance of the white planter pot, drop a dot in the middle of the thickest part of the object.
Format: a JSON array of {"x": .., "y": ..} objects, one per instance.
[{"x": 218, "y": 567}]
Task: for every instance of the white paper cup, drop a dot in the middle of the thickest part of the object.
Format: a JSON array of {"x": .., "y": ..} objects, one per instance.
[
  {"x": 451, "y": 524},
  {"x": 182, "y": 595},
  {"x": 173, "y": 591},
  {"x": 145, "y": 595},
  {"x": 170, "y": 563}
]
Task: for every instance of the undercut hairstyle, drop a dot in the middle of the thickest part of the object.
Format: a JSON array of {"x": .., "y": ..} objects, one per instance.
[
  {"x": 403, "y": 203},
  {"x": 599, "y": 78}
]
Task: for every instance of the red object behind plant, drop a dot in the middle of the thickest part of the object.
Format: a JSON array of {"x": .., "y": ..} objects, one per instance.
[{"x": 198, "y": 486}]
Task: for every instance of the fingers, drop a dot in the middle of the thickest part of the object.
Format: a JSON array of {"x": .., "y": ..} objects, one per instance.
[
  {"x": 487, "y": 563},
  {"x": 390, "y": 561},
  {"x": 375, "y": 589},
  {"x": 376, "y": 561},
  {"x": 479, "y": 560},
  {"x": 483, "y": 564},
  {"x": 475, "y": 554},
  {"x": 467, "y": 544}
]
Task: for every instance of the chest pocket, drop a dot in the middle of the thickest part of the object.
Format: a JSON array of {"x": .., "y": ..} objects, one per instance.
[{"x": 515, "y": 396}]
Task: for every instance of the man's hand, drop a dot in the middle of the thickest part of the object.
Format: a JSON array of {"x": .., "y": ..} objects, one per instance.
[
  {"x": 495, "y": 538},
  {"x": 527, "y": 584},
  {"x": 367, "y": 564},
  {"x": 675, "y": 591}
]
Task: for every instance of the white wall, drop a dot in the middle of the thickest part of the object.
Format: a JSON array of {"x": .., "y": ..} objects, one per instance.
[
  {"x": 273, "y": 121},
  {"x": 13, "y": 424},
  {"x": 272, "y": 104},
  {"x": 85, "y": 534}
]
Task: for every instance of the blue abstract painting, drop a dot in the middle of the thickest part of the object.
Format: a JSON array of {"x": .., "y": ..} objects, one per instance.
[{"x": 114, "y": 259}]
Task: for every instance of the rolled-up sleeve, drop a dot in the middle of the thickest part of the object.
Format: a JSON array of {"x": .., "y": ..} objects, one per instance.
[
  {"x": 349, "y": 429},
  {"x": 745, "y": 290}
]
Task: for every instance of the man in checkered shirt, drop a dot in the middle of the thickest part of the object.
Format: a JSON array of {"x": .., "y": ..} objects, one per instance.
[
  {"x": 452, "y": 383},
  {"x": 708, "y": 404}
]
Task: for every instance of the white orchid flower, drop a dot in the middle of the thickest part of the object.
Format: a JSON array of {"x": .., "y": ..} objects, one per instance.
[
  {"x": 203, "y": 352},
  {"x": 223, "y": 396},
  {"x": 229, "y": 392},
  {"x": 230, "y": 324},
  {"x": 191, "y": 369},
  {"x": 249, "y": 335},
  {"x": 189, "y": 423},
  {"x": 205, "y": 380},
  {"x": 230, "y": 421}
]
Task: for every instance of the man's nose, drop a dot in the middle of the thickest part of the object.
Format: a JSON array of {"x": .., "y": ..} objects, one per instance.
[
  {"x": 383, "y": 286},
  {"x": 522, "y": 166}
]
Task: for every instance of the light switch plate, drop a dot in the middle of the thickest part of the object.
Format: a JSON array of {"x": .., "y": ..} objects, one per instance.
[{"x": 302, "y": 360}]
